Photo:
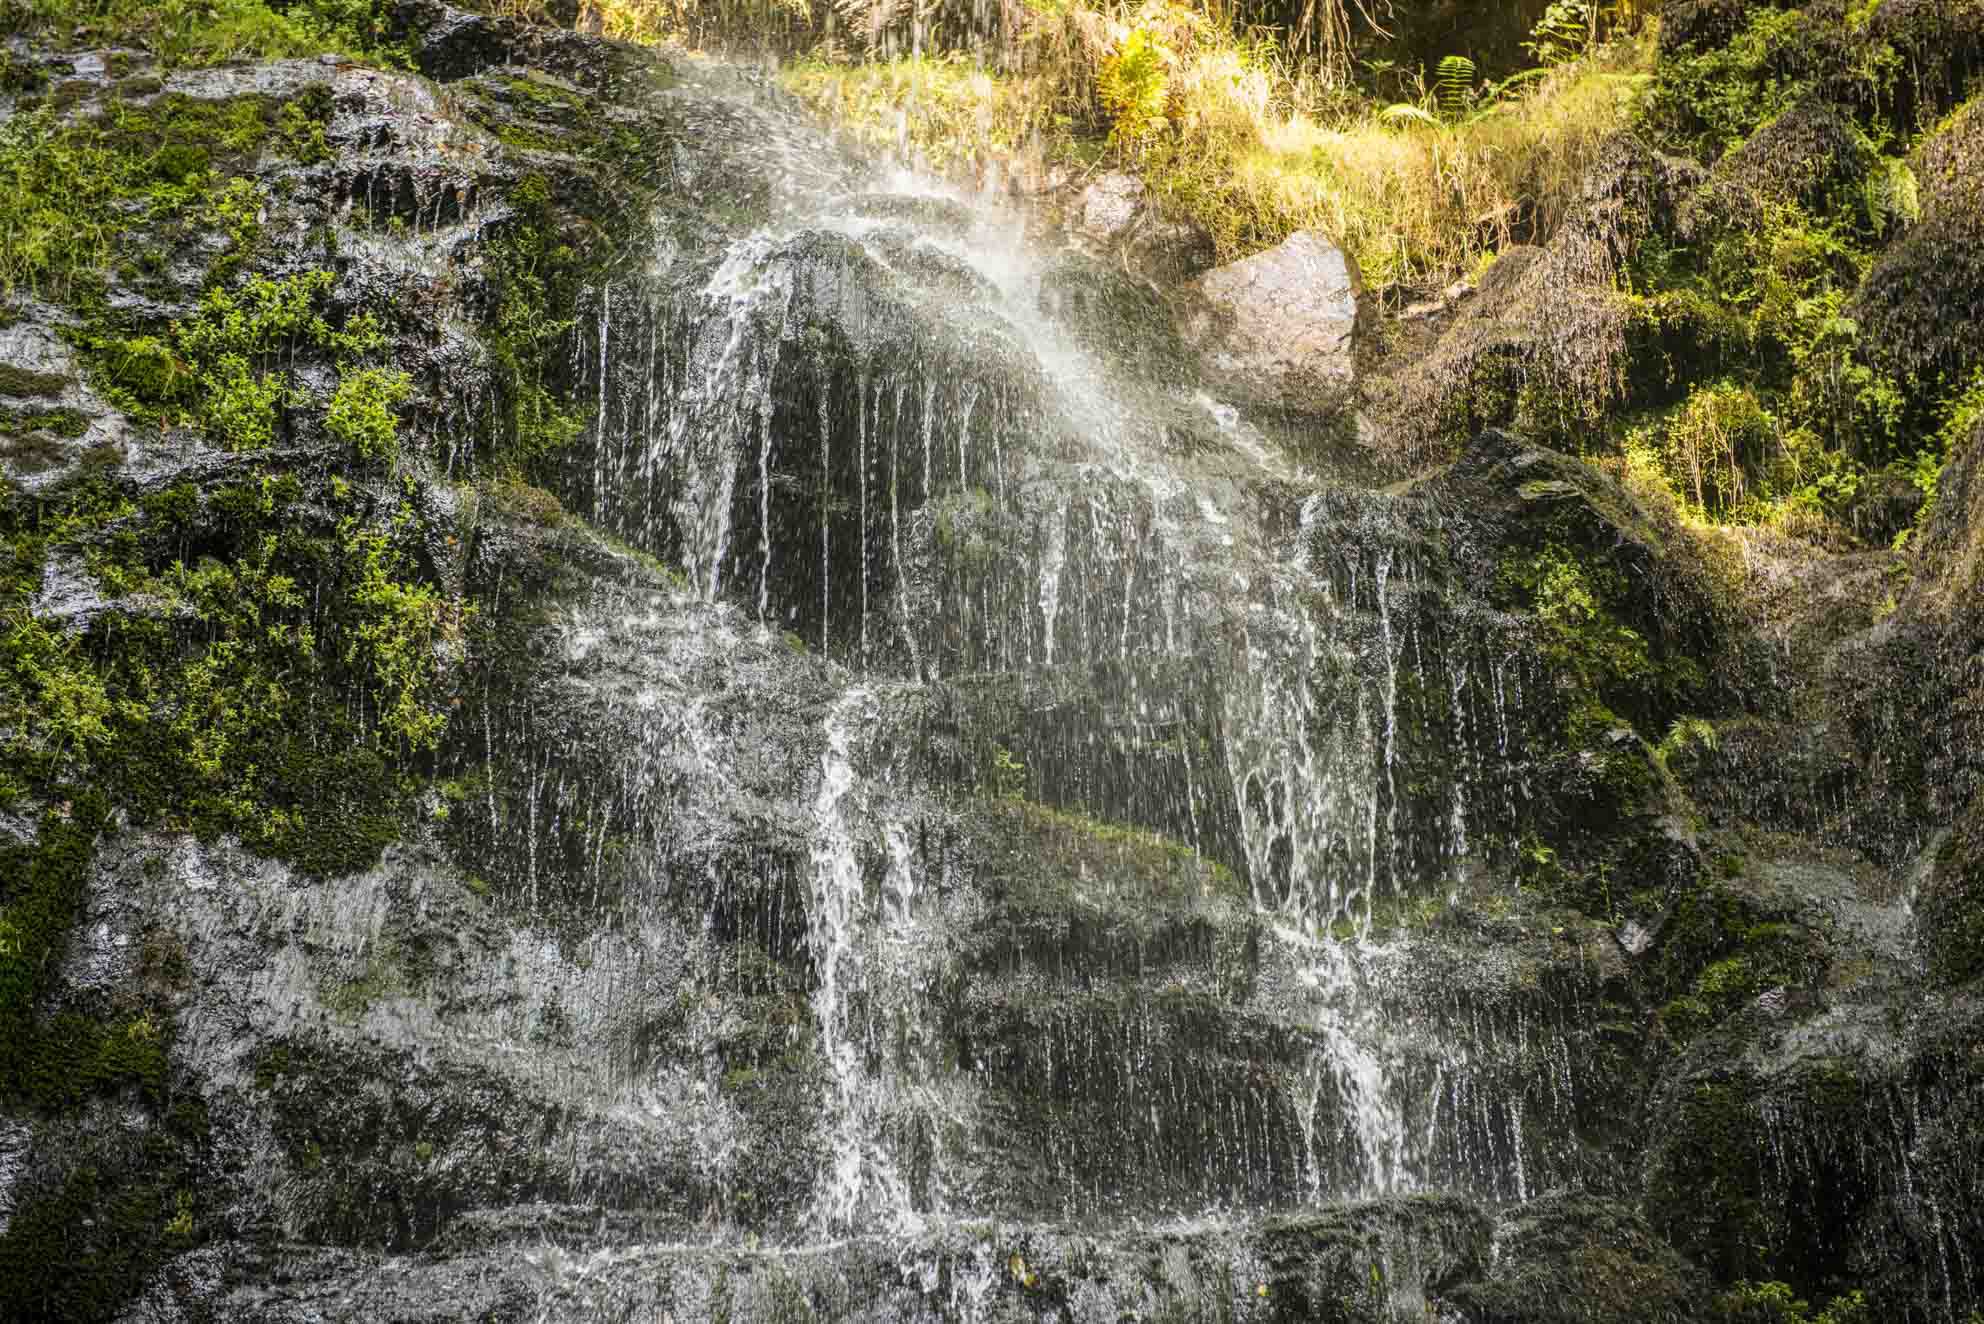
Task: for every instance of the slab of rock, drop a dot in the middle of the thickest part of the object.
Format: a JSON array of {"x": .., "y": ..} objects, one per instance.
[
  {"x": 1118, "y": 214},
  {"x": 1276, "y": 328}
]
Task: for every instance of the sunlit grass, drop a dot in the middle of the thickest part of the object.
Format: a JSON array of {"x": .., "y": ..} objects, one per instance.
[
  {"x": 946, "y": 110},
  {"x": 1416, "y": 199}
]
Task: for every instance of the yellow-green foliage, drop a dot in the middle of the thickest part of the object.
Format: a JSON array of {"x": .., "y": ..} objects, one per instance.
[
  {"x": 361, "y": 410},
  {"x": 1775, "y": 1303},
  {"x": 1708, "y": 103},
  {"x": 1579, "y": 629},
  {"x": 206, "y": 32},
  {"x": 535, "y": 270},
  {"x": 228, "y": 367},
  {"x": 1716, "y": 443},
  {"x": 268, "y": 670},
  {"x": 1220, "y": 126},
  {"x": 955, "y": 112},
  {"x": 238, "y": 347},
  {"x": 1133, "y": 82},
  {"x": 1961, "y": 414},
  {"x": 56, "y": 195},
  {"x": 73, "y": 190},
  {"x": 400, "y": 623},
  {"x": 1794, "y": 415},
  {"x": 59, "y": 707}
]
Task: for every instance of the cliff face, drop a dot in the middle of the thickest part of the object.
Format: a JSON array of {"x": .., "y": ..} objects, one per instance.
[{"x": 608, "y": 712}]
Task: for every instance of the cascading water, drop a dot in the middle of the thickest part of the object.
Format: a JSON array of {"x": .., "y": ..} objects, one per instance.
[
  {"x": 862, "y": 1189},
  {"x": 1140, "y": 642}
]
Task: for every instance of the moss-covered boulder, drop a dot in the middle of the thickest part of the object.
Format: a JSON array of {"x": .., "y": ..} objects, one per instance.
[
  {"x": 1922, "y": 304},
  {"x": 1542, "y": 346},
  {"x": 1938, "y": 46},
  {"x": 1792, "y": 1165},
  {"x": 1812, "y": 156},
  {"x": 1702, "y": 25}
]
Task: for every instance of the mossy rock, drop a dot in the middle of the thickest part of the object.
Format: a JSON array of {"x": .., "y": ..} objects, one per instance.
[
  {"x": 1951, "y": 906},
  {"x": 26, "y": 383},
  {"x": 1677, "y": 338},
  {"x": 386, "y": 1151},
  {"x": 1812, "y": 156},
  {"x": 1922, "y": 305},
  {"x": 1542, "y": 347},
  {"x": 1570, "y": 1259},
  {"x": 1332, "y": 1264},
  {"x": 86, "y": 1231},
  {"x": 447, "y": 43},
  {"x": 1807, "y": 1167},
  {"x": 1939, "y": 48},
  {"x": 1079, "y": 897},
  {"x": 1679, "y": 609},
  {"x": 1703, "y": 25},
  {"x": 1950, "y": 543}
]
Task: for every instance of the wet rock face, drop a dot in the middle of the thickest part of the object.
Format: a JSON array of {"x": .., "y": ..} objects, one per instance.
[
  {"x": 1276, "y": 328},
  {"x": 1953, "y": 903}
]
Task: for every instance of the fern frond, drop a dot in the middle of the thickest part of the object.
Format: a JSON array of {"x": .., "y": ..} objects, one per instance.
[
  {"x": 1404, "y": 112},
  {"x": 1453, "y": 84}
]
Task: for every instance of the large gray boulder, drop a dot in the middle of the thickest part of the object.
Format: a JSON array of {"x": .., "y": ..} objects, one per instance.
[{"x": 1276, "y": 328}]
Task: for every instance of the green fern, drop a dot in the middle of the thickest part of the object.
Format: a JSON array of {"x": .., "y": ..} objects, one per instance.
[
  {"x": 1133, "y": 85},
  {"x": 1685, "y": 731},
  {"x": 1404, "y": 112},
  {"x": 1453, "y": 84},
  {"x": 1891, "y": 195}
]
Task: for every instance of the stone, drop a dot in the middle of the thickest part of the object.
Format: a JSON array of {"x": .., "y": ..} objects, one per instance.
[
  {"x": 1277, "y": 328},
  {"x": 1118, "y": 214},
  {"x": 1111, "y": 205}
]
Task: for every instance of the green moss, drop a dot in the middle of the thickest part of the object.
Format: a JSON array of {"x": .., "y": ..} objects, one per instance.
[
  {"x": 54, "y": 422},
  {"x": 1707, "y": 103},
  {"x": 299, "y": 126},
  {"x": 1704, "y": 1191},
  {"x": 1721, "y": 950},
  {"x": 1116, "y": 856},
  {"x": 74, "y": 1252},
  {"x": 19, "y": 382},
  {"x": 79, "y": 189},
  {"x": 43, "y": 893},
  {"x": 1581, "y": 606},
  {"x": 382, "y": 977},
  {"x": 1776, "y": 1303},
  {"x": 537, "y": 276},
  {"x": 277, "y": 697},
  {"x": 217, "y": 33},
  {"x": 361, "y": 412}
]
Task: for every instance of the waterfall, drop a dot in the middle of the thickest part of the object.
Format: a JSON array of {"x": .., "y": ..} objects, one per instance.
[{"x": 1138, "y": 747}]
